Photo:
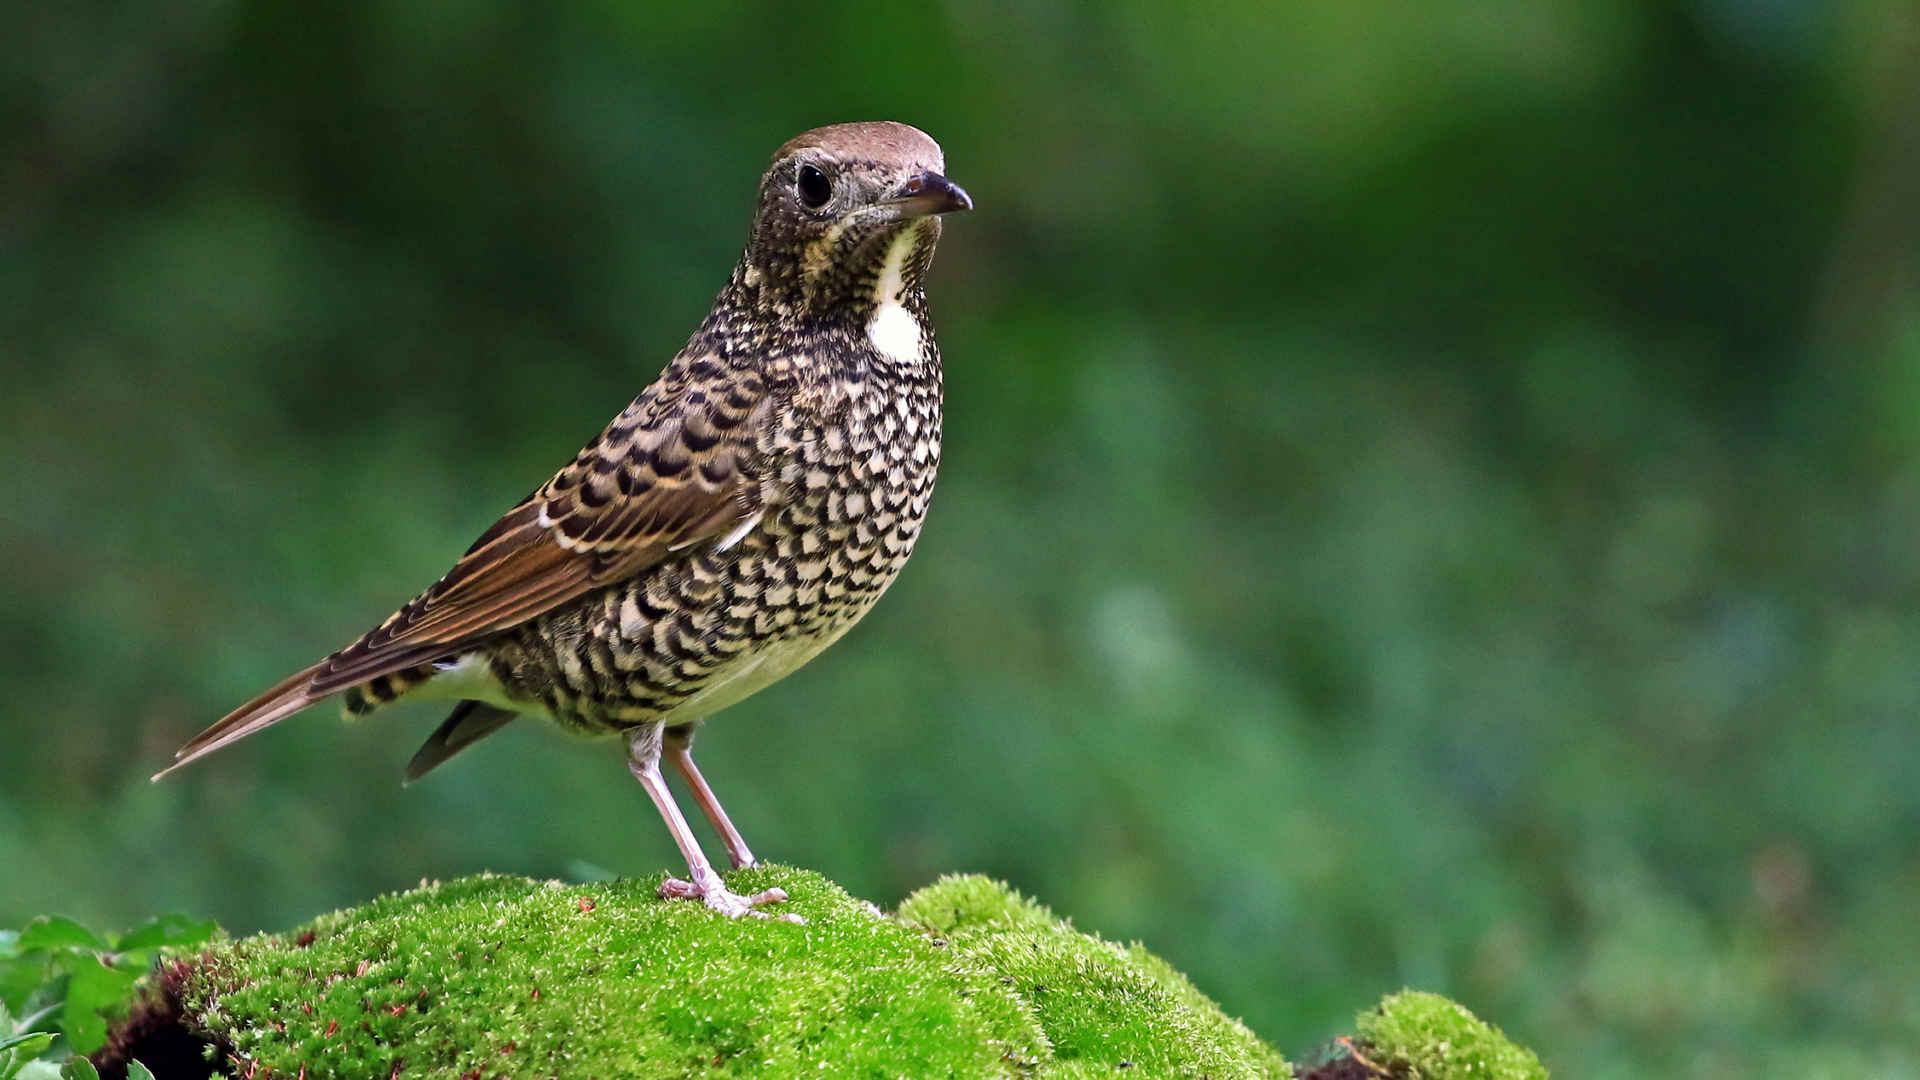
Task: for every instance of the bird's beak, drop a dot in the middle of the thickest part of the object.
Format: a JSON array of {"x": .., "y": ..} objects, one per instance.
[{"x": 929, "y": 193}]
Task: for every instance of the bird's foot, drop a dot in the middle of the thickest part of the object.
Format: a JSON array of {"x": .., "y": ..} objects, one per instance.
[{"x": 715, "y": 894}]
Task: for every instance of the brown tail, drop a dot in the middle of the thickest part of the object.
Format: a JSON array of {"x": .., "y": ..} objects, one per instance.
[{"x": 285, "y": 698}]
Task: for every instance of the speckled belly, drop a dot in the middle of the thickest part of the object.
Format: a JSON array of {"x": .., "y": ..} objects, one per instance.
[{"x": 691, "y": 637}]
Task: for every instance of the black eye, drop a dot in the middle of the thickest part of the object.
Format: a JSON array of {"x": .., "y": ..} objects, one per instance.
[{"x": 814, "y": 187}]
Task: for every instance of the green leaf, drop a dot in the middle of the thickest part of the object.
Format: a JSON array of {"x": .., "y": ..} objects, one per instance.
[
  {"x": 167, "y": 930},
  {"x": 32, "y": 1020},
  {"x": 21, "y": 977},
  {"x": 94, "y": 990},
  {"x": 137, "y": 1071},
  {"x": 28, "y": 1044},
  {"x": 18, "y": 1053},
  {"x": 58, "y": 932},
  {"x": 79, "y": 1068}
]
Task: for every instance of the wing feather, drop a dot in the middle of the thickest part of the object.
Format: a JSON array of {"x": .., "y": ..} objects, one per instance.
[
  {"x": 635, "y": 496},
  {"x": 676, "y": 468}
]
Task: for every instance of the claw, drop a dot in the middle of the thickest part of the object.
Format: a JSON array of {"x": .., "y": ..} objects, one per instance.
[
  {"x": 731, "y": 904},
  {"x": 678, "y": 889}
]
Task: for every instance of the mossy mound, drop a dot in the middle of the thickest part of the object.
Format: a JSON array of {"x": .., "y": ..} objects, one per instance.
[
  {"x": 1427, "y": 1037},
  {"x": 497, "y": 976},
  {"x": 491, "y": 976}
]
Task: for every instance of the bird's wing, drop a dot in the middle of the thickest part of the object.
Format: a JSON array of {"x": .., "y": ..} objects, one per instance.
[{"x": 676, "y": 468}]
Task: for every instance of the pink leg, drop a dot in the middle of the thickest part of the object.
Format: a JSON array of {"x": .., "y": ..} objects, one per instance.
[
  {"x": 679, "y": 750},
  {"x": 644, "y": 762}
]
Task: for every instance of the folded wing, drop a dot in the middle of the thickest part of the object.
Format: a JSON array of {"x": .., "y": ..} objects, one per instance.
[{"x": 676, "y": 468}]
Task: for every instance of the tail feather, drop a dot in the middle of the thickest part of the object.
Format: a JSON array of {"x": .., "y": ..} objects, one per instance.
[{"x": 285, "y": 698}]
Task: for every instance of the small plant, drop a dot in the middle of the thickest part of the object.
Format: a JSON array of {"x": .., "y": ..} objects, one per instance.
[
  {"x": 20, "y": 1044},
  {"x": 61, "y": 984}
]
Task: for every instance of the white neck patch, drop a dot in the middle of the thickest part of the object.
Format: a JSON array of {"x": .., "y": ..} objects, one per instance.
[{"x": 893, "y": 330}]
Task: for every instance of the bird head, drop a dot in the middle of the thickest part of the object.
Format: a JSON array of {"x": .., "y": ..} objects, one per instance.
[{"x": 848, "y": 213}]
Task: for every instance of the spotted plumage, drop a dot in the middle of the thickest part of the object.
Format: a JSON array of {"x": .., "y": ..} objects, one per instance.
[{"x": 733, "y": 521}]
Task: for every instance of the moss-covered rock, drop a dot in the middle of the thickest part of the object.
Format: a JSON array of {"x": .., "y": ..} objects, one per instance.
[
  {"x": 1102, "y": 1007},
  {"x": 499, "y": 975},
  {"x": 1427, "y": 1037}
]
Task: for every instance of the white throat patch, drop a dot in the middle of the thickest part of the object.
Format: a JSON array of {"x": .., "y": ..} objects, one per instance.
[{"x": 893, "y": 330}]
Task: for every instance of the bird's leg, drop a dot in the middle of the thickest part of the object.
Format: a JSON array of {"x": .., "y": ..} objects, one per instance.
[
  {"x": 643, "y": 760},
  {"x": 678, "y": 748}
]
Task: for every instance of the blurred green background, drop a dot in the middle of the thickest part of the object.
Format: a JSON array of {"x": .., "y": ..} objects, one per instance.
[{"x": 1431, "y": 489}]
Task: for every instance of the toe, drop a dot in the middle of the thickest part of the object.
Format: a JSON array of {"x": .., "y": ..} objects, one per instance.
[
  {"x": 677, "y": 889},
  {"x": 723, "y": 900}
]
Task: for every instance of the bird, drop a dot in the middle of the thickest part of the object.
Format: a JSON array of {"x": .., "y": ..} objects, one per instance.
[{"x": 734, "y": 520}]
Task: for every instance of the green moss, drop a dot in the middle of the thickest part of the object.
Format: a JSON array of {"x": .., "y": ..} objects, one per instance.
[
  {"x": 1102, "y": 1006},
  {"x": 500, "y": 975},
  {"x": 1427, "y": 1037},
  {"x": 492, "y": 975}
]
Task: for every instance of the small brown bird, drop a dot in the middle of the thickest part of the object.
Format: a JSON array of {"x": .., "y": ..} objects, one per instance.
[{"x": 738, "y": 517}]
